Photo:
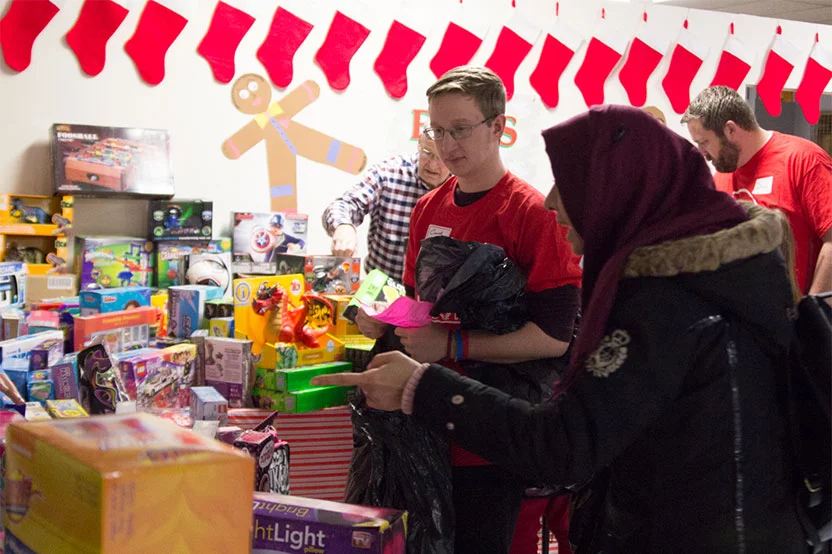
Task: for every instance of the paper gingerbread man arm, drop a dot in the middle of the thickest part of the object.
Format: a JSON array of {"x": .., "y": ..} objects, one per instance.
[
  {"x": 306, "y": 93},
  {"x": 242, "y": 141}
]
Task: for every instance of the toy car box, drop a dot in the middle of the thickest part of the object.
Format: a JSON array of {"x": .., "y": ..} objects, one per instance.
[
  {"x": 12, "y": 284},
  {"x": 112, "y": 262},
  {"x": 181, "y": 220},
  {"x": 228, "y": 369},
  {"x": 171, "y": 256},
  {"x": 259, "y": 237},
  {"x": 323, "y": 274},
  {"x": 113, "y": 300},
  {"x": 298, "y": 524},
  {"x": 89, "y": 160},
  {"x": 148, "y": 486},
  {"x": 186, "y": 308},
  {"x": 120, "y": 331}
]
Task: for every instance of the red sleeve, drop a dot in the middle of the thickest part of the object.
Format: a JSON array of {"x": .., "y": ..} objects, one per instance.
[
  {"x": 414, "y": 243},
  {"x": 541, "y": 249},
  {"x": 815, "y": 193},
  {"x": 724, "y": 182}
]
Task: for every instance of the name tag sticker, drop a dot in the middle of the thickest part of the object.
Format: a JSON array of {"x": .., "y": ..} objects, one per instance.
[
  {"x": 763, "y": 185},
  {"x": 437, "y": 231}
]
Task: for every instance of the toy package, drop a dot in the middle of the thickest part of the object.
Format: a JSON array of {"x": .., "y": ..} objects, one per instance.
[
  {"x": 341, "y": 327},
  {"x": 171, "y": 255},
  {"x": 186, "y": 308},
  {"x": 221, "y": 327},
  {"x": 181, "y": 219},
  {"x": 100, "y": 384},
  {"x": 260, "y": 446},
  {"x": 112, "y": 262},
  {"x": 148, "y": 486},
  {"x": 41, "y": 349},
  {"x": 259, "y": 237},
  {"x": 44, "y": 287},
  {"x": 213, "y": 270},
  {"x": 219, "y": 308},
  {"x": 285, "y": 356},
  {"x": 65, "y": 377},
  {"x": 257, "y": 307},
  {"x": 376, "y": 287},
  {"x": 113, "y": 300},
  {"x": 40, "y": 386},
  {"x": 296, "y": 379},
  {"x": 35, "y": 411},
  {"x": 228, "y": 369},
  {"x": 120, "y": 331},
  {"x": 26, "y": 209},
  {"x": 14, "y": 323},
  {"x": 323, "y": 274},
  {"x": 197, "y": 338},
  {"x": 67, "y": 408},
  {"x": 297, "y": 524},
  {"x": 302, "y": 401},
  {"x": 12, "y": 284},
  {"x": 207, "y": 403},
  {"x": 160, "y": 379},
  {"x": 17, "y": 370},
  {"x": 89, "y": 160}
]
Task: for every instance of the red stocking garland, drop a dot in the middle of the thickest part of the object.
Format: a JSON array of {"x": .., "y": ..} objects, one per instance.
[
  {"x": 461, "y": 40},
  {"x": 687, "y": 58},
  {"x": 817, "y": 75},
  {"x": 559, "y": 48},
  {"x": 88, "y": 38},
  {"x": 602, "y": 54},
  {"x": 158, "y": 28},
  {"x": 734, "y": 63},
  {"x": 286, "y": 34},
  {"x": 344, "y": 38},
  {"x": 779, "y": 65},
  {"x": 21, "y": 25},
  {"x": 646, "y": 52},
  {"x": 400, "y": 47},
  {"x": 513, "y": 45},
  {"x": 219, "y": 45}
]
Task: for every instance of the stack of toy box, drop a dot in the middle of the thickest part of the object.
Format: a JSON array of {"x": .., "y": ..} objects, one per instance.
[{"x": 290, "y": 390}]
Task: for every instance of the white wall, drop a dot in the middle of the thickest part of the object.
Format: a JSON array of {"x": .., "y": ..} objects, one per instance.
[{"x": 198, "y": 112}]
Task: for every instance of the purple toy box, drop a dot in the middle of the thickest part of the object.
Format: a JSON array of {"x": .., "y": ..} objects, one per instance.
[{"x": 296, "y": 524}]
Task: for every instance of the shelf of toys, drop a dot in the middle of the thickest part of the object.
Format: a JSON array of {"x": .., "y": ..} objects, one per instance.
[{"x": 34, "y": 230}]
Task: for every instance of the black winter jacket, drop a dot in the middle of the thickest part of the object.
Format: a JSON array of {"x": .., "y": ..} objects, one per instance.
[{"x": 680, "y": 403}]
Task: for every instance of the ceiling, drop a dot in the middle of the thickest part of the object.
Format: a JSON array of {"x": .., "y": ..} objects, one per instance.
[{"x": 810, "y": 11}]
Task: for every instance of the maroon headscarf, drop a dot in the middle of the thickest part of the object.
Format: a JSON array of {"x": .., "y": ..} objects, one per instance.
[{"x": 627, "y": 181}]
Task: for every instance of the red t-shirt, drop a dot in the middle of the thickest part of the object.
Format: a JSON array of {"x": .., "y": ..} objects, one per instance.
[
  {"x": 794, "y": 175},
  {"x": 510, "y": 216}
]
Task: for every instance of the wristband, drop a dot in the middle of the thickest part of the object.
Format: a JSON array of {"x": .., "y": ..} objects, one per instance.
[
  {"x": 409, "y": 393},
  {"x": 460, "y": 350}
]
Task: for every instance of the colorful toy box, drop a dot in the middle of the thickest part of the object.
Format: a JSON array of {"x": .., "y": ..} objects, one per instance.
[
  {"x": 12, "y": 284},
  {"x": 302, "y": 401},
  {"x": 297, "y": 524},
  {"x": 28, "y": 209},
  {"x": 213, "y": 270},
  {"x": 296, "y": 379},
  {"x": 67, "y": 408},
  {"x": 100, "y": 385},
  {"x": 341, "y": 326},
  {"x": 148, "y": 486},
  {"x": 89, "y": 160},
  {"x": 207, "y": 403},
  {"x": 219, "y": 308},
  {"x": 65, "y": 377},
  {"x": 112, "y": 262},
  {"x": 40, "y": 386},
  {"x": 181, "y": 219},
  {"x": 36, "y": 412},
  {"x": 113, "y": 300},
  {"x": 186, "y": 308},
  {"x": 120, "y": 331},
  {"x": 259, "y": 237},
  {"x": 376, "y": 287},
  {"x": 323, "y": 274},
  {"x": 160, "y": 379},
  {"x": 171, "y": 256},
  {"x": 41, "y": 349},
  {"x": 221, "y": 327},
  {"x": 286, "y": 356},
  {"x": 248, "y": 324},
  {"x": 260, "y": 446},
  {"x": 228, "y": 369}
]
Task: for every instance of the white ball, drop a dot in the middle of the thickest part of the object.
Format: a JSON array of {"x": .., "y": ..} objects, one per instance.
[{"x": 208, "y": 271}]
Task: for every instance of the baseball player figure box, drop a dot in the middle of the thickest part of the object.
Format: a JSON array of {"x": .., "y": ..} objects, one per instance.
[{"x": 111, "y": 161}]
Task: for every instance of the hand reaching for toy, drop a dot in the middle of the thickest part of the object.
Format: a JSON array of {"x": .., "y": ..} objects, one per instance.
[
  {"x": 383, "y": 382},
  {"x": 369, "y": 327},
  {"x": 425, "y": 344},
  {"x": 8, "y": 388},
  {"x": 344, "y": 240}
]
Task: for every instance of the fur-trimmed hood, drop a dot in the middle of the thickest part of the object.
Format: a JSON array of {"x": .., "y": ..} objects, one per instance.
[{"x": 739, "y": 270}]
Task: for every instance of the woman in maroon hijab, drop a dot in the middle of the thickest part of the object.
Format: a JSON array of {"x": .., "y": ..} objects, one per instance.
[{"x": 672, "y": 384}]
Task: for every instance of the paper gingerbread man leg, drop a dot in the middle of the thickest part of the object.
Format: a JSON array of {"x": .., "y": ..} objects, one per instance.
[
  {"x": 281, "y": 157},
  {"x": 316, "y": 146}
]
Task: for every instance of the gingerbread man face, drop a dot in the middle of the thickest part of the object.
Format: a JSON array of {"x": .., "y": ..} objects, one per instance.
[{"x": 251, "y": 94}]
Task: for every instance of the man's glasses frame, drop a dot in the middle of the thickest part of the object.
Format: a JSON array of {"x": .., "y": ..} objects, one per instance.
[{"x": 460, "y": 132}]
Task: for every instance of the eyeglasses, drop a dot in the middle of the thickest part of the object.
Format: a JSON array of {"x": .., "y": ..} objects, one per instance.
[{"x": 457, "y": 133}]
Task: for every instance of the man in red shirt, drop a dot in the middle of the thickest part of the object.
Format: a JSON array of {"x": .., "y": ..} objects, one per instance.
[
  {"x": 771, "y": 169},
  {"x": 484, "y": 202}
]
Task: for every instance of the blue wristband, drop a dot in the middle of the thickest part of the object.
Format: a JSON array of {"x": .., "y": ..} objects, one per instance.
[{"x": 459, "y": 350}]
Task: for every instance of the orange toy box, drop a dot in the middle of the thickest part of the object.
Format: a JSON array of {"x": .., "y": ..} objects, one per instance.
[
  {"x": 256, "y": 317},
  {"x": 124, "y": 484},
  {"x": 124, "y": 330}
]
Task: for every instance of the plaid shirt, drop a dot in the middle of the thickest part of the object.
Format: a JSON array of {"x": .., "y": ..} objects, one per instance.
[{"x": 388, "y": 191}]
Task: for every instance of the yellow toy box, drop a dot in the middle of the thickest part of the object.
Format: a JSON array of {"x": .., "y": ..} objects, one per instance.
[
  {"x": 124, "y": 484},
  {"x": 261, "y": 328}
]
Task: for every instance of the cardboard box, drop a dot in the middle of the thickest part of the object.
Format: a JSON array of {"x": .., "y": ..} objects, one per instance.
[
  {"x": 89, "y": 160},
  {"x": 186, "y": 308},
  {"x": 323, "y": 274},
  {"x": 221, "y": 327},
  {"x": 171, "y": 256},
  {"x": 112, "y": 262},
  {"x": 43, "y": 287},
  {"x": 147, "y": 486},
  {"x": 207, "y": 403},
  {"x": 341, "y": 326},
  {"x": 259, "y": 237},
  {"x": 12, "y": 284},
  {"x": 248, "y": 324},
  {"x": 113, "y": 300},
  {"x": 120, "y": 331},
  {"x": 297, "y": 524},
  {"x": 228, "y": 369},
  {"x": 296, "y": 379},
  {"x": 67, "y": 408},
  {"x": 302, "y": 401},
  {"x": 181, "y": 220}
]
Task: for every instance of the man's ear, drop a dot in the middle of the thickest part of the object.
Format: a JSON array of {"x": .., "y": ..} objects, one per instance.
[
  {"x": 730, "y": 130},
  {"x": 499, "y": 125}
]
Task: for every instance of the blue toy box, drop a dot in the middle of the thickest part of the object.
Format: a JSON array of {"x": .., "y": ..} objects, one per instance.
[
  {"x": 186, "y": 308},
  {"x": 48, "y": 345},
  {"x": 12, "y": 284},
  {"x": 113, "y": 300}
]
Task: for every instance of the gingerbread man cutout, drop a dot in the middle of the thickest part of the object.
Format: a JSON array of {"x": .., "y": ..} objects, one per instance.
[{"x": 285, "y": 139}]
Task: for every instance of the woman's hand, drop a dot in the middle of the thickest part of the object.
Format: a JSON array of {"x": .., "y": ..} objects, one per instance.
[
  {"x": 369, "y": 327},
  {"x": 383, "y": 383},
  {"x": 7, "y": 387},
  {"x": 425, "y": 344}
]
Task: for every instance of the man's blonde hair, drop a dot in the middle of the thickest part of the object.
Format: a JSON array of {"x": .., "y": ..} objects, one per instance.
[{"x": 480, "y": 83}]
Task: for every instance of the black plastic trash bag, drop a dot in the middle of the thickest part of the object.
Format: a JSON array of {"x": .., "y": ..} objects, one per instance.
[
  {"x": 474, "y": 280},
  {"x": 397, "y": 463}
]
